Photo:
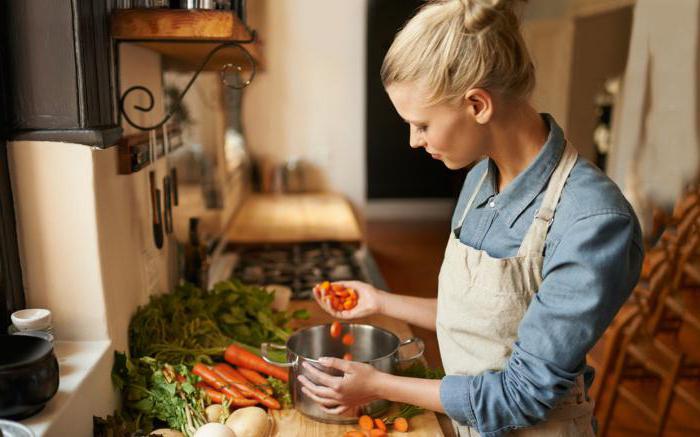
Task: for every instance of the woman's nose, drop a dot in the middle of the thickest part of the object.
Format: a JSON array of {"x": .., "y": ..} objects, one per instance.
[{"x": 415, "y": 140}]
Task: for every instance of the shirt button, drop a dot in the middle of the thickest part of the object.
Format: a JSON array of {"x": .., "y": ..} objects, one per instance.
[{"x": 492, "y": 204}]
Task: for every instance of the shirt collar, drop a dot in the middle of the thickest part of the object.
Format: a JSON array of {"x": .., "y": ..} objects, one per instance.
[{"x": 520, "y": 193}]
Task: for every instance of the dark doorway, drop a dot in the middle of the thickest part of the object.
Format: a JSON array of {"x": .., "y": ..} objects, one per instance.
[{"x": 394, "y": 170}]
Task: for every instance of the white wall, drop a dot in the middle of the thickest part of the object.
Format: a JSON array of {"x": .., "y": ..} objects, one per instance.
[{"x": 310, "y": 100}]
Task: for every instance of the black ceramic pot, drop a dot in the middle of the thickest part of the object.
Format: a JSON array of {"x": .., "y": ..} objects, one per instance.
[{"x": 28, "y": 375}]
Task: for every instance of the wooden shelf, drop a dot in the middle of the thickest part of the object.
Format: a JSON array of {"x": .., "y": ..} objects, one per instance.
[{"x": 186, "y": 36}]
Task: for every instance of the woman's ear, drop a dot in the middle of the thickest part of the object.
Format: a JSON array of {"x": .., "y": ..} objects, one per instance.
[{"x": 479, "y": 105}]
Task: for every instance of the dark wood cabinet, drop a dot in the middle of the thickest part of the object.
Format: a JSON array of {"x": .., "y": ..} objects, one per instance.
[{"x": 60, "y": 64}]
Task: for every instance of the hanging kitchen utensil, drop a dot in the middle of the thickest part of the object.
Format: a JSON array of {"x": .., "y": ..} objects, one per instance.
[
  {"x": 173, "y": 171},
  {"x": 157, "y": 217},
  {"x": 167, "y": 190}
]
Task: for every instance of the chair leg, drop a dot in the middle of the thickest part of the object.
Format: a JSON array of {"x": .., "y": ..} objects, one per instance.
[
  {"x": 666, "y": 395},
  {"x": 608, "y": 409}
]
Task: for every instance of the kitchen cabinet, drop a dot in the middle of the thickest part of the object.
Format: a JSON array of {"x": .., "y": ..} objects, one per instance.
[{"x": 59, "y": 59}]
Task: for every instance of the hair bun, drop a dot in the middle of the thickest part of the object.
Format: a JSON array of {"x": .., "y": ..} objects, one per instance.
[{"x": 482, "y": 14}]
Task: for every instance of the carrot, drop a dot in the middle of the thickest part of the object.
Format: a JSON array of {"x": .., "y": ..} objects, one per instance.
[
  {"x": 240, "y": 357},
  {"x": 366, "y": 422},
  {"x": 217, "y": 397},
  {"x": 347, "y": 357},
  {"x": 348, "y": 339},
  {"x": 354, "y": 434},
  {"x": 233, "y": 377},
  {"x": 377, "y": 433},
  {"x": 401, "y": 424},
  {"x": 208, "y": 376},
  {"x": 336, "y": 329},
  {"x": 256, "y": 379},
  {"x": 379, "y": 423}
]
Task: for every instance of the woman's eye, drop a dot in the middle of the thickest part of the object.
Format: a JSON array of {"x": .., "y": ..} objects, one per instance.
[{"x": 422, "y": 128}]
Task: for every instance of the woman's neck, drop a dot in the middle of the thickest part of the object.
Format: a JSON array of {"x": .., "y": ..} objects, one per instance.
[{"x": 516, "y": 138}]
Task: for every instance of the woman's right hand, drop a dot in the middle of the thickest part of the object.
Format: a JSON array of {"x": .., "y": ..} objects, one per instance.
[{"x": 369, "y": 301}]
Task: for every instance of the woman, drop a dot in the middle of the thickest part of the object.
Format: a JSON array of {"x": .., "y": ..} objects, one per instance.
[{"x": 544, "y": 249}]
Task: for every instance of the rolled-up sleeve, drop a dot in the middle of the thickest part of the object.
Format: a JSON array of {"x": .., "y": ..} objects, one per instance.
[{"x": 588, "y": 275}]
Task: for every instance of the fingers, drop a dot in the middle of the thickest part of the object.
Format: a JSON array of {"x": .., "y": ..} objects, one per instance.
[
  {"x": 322, "y": 377},
  {"x": 340, "y": 409},
  {"x": 336, "y": 363},
  {"x": 324, "y": 402},
  {"x": 318, "y": 390}
]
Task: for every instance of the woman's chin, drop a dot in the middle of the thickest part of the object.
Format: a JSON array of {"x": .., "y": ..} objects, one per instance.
[{"x": 452, "y": 165}]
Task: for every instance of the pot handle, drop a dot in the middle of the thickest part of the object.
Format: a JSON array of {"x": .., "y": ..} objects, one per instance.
[
  {"x": 421, "y": 348},
  {"x": 266, "y": 356}
]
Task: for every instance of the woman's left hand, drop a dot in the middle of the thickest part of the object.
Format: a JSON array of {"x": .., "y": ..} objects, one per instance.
[{"x": 337, "y": 394}]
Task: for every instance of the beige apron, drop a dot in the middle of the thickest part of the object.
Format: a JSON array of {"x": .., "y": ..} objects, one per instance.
[{"x": 481, "y": 301}]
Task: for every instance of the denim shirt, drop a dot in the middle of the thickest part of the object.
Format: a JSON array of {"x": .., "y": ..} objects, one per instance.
[{"x": 592, "y": 259}]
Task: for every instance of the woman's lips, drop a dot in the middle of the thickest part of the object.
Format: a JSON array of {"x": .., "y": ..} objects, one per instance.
[{"x": 436, "y": 155}]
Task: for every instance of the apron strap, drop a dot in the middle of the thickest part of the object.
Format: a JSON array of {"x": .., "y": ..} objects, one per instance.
[
  {"x": 534, "y": 241},
  {"x": 472, "y": 198}
]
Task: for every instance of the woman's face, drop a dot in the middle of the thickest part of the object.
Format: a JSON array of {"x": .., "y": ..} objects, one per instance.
[{"x": 447, "y": 131}]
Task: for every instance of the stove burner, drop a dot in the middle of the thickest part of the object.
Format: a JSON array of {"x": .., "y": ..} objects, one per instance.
[{"x": 298, "y": 266}]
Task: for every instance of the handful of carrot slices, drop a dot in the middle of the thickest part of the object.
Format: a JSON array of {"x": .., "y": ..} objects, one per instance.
[{"x": 337, "y": 296}]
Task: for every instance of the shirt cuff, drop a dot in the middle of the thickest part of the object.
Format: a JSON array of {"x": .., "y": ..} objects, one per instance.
[{"x": 456, "y": 400}]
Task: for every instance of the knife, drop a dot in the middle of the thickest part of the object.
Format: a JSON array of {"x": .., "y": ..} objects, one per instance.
[
  {"x": 168, "y": 208},
  {"x": 157, "y": 213}
]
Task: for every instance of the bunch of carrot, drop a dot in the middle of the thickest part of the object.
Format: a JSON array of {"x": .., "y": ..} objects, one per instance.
[
  {"x": 243, "y": 385},
  {"x": 336, "y": 296}
]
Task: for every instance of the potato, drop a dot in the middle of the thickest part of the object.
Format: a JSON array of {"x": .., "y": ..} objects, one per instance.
[
  {"x": 164, "y": 432},
  {"x": 214, "y": 412},
  {"x": 249, "y": 422},
  {"x": 214, "y": 430}
]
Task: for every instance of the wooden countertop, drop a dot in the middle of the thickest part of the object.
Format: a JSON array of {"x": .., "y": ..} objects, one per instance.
[
  {"x": 294, "y": 218},
  {"x": 289, "y": 423}
]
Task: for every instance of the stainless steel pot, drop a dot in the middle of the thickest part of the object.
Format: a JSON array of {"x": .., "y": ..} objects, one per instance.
[{"x": 375, "y": 346}]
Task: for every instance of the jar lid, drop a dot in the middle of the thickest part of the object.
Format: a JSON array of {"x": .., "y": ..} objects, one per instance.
[{"x": 32, "y": 319}]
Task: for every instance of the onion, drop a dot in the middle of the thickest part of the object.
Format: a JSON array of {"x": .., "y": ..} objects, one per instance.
[
  {"x": 214, "y": 430},
  {"x": 249, "y": 422}
]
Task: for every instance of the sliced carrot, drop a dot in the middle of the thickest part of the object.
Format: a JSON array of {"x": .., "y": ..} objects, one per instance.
[
  {"x": 336, "y": 329},
  {"x": 354, "y": 434},
  {"x": 240, "y": 357},
  {"x": 347, "y": 357},
  {"x": 401, "y": 424},
  {"x": 379, "y": 423},
  {"x": 377, "y": 433},
  {"x": 366, "y": 422},
  {"x": 348, "y": 339}
]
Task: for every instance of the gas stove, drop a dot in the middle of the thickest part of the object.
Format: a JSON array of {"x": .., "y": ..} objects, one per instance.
[{"x": 298, "y": 266}]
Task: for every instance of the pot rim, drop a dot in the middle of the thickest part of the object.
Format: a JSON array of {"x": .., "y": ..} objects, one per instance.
[
  {"x": 315, "y": 360},
  {"x": 12, "y": 366}
]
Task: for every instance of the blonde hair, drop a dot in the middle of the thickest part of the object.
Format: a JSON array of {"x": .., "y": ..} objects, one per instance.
[{"x": 451, "y": 46}]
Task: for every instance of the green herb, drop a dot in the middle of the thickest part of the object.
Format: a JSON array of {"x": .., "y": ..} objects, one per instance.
[
  {"x": 152, "y": 390},
  {"x": 420, "y": 370},
  {"x": 190, "y": 324},
  {"x": 406, "y": 411},
  {"x": 281, "y": 391},
  {"x": 116, "y": 425}
]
